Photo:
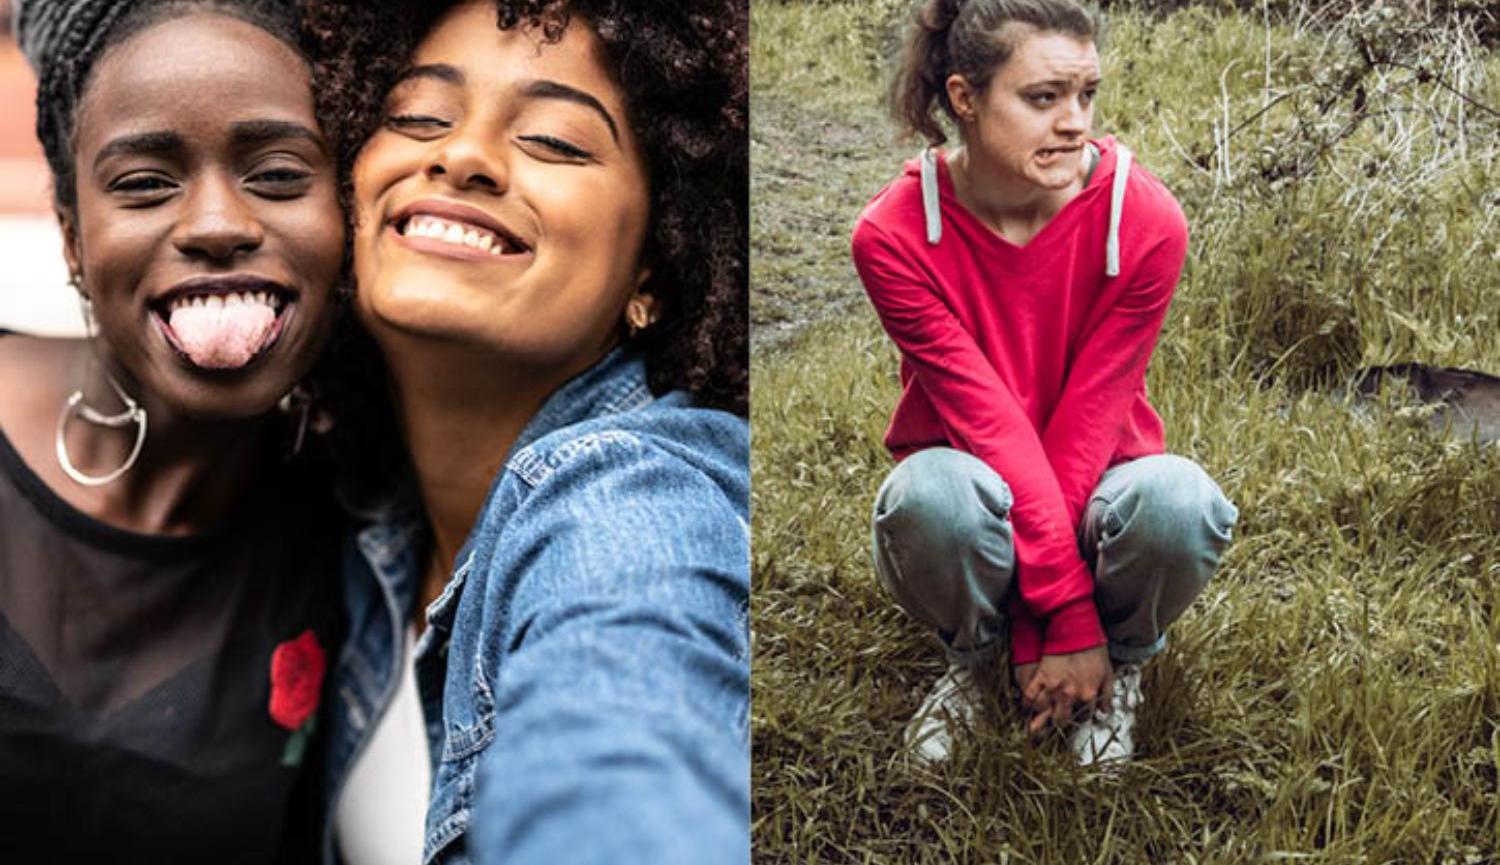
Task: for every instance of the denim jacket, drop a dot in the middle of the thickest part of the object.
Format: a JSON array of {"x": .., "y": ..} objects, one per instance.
[{"x": 585, "y": 673}]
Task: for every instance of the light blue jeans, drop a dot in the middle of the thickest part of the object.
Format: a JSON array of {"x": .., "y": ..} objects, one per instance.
[{"x": 1152, "y": 535}]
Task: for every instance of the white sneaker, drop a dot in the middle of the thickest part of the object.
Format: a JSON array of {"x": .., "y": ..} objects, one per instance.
[
  {"x": 951, "y": 705},
  {"x": 1109, "y": 736}
]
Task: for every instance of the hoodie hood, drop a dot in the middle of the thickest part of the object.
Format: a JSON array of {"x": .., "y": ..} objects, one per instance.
[{"x": 926, "y": 167}]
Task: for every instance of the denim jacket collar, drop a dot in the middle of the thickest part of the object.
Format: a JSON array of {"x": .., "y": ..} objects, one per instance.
[{"x": 616, "y": 383}]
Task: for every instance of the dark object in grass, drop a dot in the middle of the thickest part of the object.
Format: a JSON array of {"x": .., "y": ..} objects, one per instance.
[{"x": 1468, "y": 400}]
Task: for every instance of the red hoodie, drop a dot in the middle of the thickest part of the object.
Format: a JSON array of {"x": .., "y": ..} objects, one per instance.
[{"x": 1032, "y": 358}]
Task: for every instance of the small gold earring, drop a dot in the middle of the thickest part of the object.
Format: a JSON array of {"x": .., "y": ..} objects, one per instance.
[{"x": 637, "y": 318}]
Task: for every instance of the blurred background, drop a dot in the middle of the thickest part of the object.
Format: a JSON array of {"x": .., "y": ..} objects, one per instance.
[{"x": 34, "y": 295}]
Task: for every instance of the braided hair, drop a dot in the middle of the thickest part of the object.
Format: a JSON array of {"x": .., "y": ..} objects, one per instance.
[
  {"x": 971, "y": 38},
  {"x": 65, "y": 39}
]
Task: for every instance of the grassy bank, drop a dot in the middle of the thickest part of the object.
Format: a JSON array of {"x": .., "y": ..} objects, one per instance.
[{"x": 1334, "y": 696}]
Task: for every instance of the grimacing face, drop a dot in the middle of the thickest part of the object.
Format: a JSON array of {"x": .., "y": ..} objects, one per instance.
[
  {"x": 207, "y": 231},
  {"x": 502, "y": 206},
  {"x": 1034, "y": 117}
]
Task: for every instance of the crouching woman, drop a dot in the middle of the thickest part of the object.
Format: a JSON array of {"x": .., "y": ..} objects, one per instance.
[{"x": 1024, "y": 276}]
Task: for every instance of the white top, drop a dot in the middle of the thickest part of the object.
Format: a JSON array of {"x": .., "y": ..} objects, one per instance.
[{"x": 382, "y": 811}]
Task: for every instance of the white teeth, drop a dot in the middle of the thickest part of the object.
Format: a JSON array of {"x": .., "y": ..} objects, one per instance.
[
  {"x": 221, "y": 301},
  {"x": 461, "y": 234}
]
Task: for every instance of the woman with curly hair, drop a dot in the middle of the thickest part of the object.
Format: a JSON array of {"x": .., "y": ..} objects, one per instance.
[
  {"x": 1024, "y": 276},
  {"x": 549, "y": 653}
]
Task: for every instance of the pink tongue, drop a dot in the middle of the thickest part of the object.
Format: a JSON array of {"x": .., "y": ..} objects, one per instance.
[{"x": 222, "y": 337}]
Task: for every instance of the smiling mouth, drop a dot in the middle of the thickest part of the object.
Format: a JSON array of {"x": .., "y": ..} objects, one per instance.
[
  {"x": 223, "y": 323},
  {"x": 1048, "y": 152},
  {"x": 437, "y": 232}
]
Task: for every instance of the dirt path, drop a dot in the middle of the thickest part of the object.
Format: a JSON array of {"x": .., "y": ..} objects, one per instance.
[{"x": 810, "y": 176}]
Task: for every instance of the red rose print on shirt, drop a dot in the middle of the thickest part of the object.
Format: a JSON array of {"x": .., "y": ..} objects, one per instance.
[{"x": 296, "y": 679}]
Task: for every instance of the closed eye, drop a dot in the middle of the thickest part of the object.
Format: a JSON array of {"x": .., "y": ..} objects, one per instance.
[
  {"x": 417, "y": 123},
  {"x": 559, "y": 146}
]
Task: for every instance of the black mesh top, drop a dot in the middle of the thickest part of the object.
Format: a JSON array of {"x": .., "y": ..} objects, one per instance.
[{"x": 135, "y": 677}]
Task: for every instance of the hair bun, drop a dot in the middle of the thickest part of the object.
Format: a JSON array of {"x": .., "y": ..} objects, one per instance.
[
  {"x": 937, "y": 16},
  {"x": 945, "y": 12}
]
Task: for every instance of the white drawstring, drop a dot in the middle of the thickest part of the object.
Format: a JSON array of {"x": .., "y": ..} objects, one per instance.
[
  {"x": 930, "y": 196},
  {"x": 1116, "y": 207},
  {"x": 934, "y": 217}
]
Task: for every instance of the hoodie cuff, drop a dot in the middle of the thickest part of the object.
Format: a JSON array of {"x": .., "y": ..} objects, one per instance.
[
  {"x": 1073, "y": 627},
  {"x": 1025, "y": 635}
]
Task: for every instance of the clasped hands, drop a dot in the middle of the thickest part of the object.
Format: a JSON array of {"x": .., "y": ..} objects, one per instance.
[{"x": 1061, "y": 687}]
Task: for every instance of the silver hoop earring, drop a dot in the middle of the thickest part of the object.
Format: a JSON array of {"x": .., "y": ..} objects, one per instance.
[{"x": 133, "y": 414}]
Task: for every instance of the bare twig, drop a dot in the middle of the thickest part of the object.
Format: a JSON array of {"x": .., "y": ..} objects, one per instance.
[{"x": 1425, "y": 75}]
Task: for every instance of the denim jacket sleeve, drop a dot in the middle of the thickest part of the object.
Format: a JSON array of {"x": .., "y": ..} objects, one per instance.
[{"x": 622, "y": 687}]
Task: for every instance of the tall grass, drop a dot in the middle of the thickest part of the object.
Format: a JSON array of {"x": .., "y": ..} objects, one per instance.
[{"x": 1334, "y": 696}]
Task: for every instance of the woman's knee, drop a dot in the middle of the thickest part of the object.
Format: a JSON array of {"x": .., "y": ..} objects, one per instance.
[
  {"x": 1173, "y": 514},
  {"x": 942, "y": 538},
  {"x": 943, "y": 499}
]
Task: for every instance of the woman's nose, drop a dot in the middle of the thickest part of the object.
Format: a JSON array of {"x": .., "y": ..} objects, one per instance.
[
  {"x": 468, "y": 160},
  {"x": 1073, "y": 118},
  {"x": 218, "y": 223}
]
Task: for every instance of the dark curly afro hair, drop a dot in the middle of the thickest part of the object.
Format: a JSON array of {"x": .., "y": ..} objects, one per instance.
[{"x": 684, "y": 70}]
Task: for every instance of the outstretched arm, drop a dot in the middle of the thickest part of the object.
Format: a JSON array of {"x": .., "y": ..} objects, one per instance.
[{"x": 622, "y": 689}]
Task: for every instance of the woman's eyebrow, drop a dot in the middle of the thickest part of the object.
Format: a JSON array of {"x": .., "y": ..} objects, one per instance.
[
  {"x": 541, "y": 88},
  {"x": 265, "y": 131},
  {"x": 140, "y": 143},
  {"x": 544, "y": 88},
  {"x": 439, "y": 71},
  {"x": 1064, "y": 83}
]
